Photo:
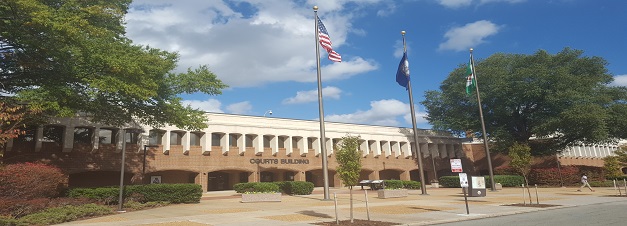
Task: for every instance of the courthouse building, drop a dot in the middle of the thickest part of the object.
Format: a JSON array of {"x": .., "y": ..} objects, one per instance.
[
  {"x": 241, "y": 148},
  {"x": 232, "y": 149}
]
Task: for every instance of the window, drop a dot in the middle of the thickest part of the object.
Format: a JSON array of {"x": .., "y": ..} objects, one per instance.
[
  {"x": 82, "y": 135},
  {"x": 105, "y": 136},
  {"x": 215, "y": 139},
  {"x": 155, "y": 137},
  {"x": 53, "y": 134},
  {"x": 131, "y": 136},
  {"x": 266, "y": 141},
  {"x": 233, "y": 140},
  {"x": 175, "y": 138},
  {"x": 249, "y": 141},
  {"x": 282, "y": 142},
  {"x": 194, "y": 139}
]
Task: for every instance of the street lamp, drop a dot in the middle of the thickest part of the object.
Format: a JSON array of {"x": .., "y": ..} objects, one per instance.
[
  {"x": 121, "y": 192},
  {"x": 267, "y": 112},
  {"x": 144, "y": 165}
]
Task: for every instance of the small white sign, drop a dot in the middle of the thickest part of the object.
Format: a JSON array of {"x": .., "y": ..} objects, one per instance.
[
  {"x": 478, "y": 182},
  {"x": 456, "y": 166},
  {"x": 463, "y": 180}
]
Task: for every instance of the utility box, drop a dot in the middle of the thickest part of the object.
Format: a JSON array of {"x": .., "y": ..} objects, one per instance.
[{"x": 476, "y": 187}]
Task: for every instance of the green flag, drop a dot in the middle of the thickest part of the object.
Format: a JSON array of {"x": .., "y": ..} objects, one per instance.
[{"x": 471, "y": 83}]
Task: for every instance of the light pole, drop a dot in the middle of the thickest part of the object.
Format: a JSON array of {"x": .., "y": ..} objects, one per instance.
[
  {"x": 144, "y": 165},
  {"x": 120, "y": 198},
  {"x": 267, "y": 112},
  {"x": 121, "y": 192}
]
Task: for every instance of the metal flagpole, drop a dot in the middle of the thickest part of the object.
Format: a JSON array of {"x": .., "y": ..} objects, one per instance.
[
  {"x": 423, "y": 187},
  {"x": 485, "y": 136},
  {"x": 323, "y": 139}
]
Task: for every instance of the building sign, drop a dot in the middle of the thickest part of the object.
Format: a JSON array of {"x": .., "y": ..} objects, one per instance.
[
  {"x": 456, "y": 166},
  {"x": 155, "y": 179},
  {"x": 280, "y": 161}
]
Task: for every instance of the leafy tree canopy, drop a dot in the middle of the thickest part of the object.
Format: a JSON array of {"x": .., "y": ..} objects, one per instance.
[
  {"x": 547, "y": 101},
  {"x": 348, "y": 158},
  {"x": 69, "y": 56}
]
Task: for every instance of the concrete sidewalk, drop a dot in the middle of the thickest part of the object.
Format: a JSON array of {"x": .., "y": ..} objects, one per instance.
[{"x": 439, "y": 206}]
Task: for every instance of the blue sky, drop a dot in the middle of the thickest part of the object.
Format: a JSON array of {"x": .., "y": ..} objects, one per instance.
[{"x": 264, "y": 49}]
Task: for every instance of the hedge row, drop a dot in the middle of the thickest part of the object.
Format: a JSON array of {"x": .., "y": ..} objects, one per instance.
[
  {"x": 505, "y": 180},
  {"x": 398, "y": 184},
  {"x": 173, "y": 193},
  {"x": 286, "y": 187},
  {"x": 566, "y": 175}
]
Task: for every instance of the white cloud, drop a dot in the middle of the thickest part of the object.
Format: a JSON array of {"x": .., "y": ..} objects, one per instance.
[
  {"x": 270, "y": 42},
  {"x": 469, "y": 35},
  {"x": 619, "y": 80},
  {"x": 389, "y": 9},
  {"x": 382, "y": 112},
  {"x": 240, "y": 108},
  {"x": 312, "y": 95},
  {"x": 210, "y": 105},
  {"x": 506, "y": 1},
  {"x": 455, "y": 3}
]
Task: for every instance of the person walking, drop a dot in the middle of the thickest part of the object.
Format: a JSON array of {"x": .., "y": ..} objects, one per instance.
[{"x": 584, "y": 181}]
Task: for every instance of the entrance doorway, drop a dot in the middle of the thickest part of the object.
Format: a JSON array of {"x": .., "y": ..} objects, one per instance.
[{"x": 217, "y": 181}]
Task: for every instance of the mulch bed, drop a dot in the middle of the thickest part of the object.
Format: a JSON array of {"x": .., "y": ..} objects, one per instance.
[{"x": 358, "y": 222}]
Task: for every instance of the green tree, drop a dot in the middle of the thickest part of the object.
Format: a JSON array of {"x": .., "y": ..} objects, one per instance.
[
  {"x": 71, "y": 56},
  {"x": 612, "y": 167},
  {"x": 520, "y": 155},
  {"x": 557, "y": 99},
  {"x": 621, "y": 155},
  {"x": 348, "y": 159}
]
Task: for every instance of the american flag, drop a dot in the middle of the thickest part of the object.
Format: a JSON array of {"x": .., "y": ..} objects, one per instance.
[{"x": 325, "y": 42}]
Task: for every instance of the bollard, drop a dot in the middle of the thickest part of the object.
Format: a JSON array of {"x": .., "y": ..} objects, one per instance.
[
  {"x": 625, "y": 183},
  {"x": 337, "y": 221},
  {"x": 537, "y": 199},
  {"x": 367, "y": 209}
]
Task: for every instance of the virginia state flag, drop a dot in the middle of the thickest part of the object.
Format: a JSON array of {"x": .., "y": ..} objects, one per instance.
[{"x": 402, "y": 74}]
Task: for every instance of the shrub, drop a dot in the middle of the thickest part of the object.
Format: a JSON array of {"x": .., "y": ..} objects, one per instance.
[
  {"x": 31, "y": 180},
  {"x": 243, "y": 187},
  {"x": 606, "y": 183},
  {"x": 59, "y": 215},
  {"x": 284, "y": 186},
  {"x": 107, "y": 196},
  {"x": 393, "y": 184},
  {"x": 17, "y": 208},
  {"x": 505, "y": 180},
  {"x": 410, "y": 184},
  {"x": 450, "y": 181},
  {"x": 257, "y": 187},
  {"x": 300, "y": 187},
  {"x": 173, "y": 193}
]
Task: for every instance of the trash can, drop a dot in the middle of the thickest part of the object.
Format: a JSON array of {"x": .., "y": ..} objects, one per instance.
[{"x": 476, "y": 187}]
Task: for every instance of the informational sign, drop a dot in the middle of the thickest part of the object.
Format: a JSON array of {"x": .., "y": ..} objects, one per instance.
[
  {"x": 478, "y": 183},
  {"x": 463, "y": 180},
  {"x": 456, "y": 166},
  {"x": 155, "y": 179}
]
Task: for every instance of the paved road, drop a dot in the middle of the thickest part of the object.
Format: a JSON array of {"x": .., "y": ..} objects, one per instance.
[{"x": 611, "y": 213}]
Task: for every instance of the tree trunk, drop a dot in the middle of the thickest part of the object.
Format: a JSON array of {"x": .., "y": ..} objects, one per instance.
[
  {"x": 528, "y": 191},
  {"x": 350, "y": 191}
]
